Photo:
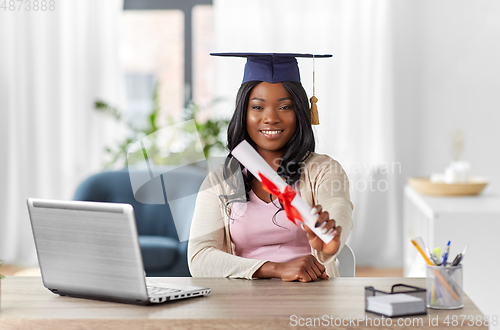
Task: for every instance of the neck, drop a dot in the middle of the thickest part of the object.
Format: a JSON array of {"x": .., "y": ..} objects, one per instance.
[{"x": 273, "y": 158}]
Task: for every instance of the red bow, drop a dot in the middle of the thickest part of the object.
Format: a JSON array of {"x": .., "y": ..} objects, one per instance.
[{"x": 285, "y": 198}]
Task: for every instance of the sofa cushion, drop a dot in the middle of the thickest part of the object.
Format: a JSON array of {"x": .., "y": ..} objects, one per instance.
[{"x": 158, "y": 252}]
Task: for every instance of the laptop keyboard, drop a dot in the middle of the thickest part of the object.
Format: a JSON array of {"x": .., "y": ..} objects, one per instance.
[{"x": 154, "y": 291}]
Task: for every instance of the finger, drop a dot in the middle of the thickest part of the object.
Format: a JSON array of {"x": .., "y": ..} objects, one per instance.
[
  {"x": 329, "y": 227},
  {"x": 324, "y": 276},
  {"x": 310, "y": 267},
  {"x": 333, "y": 231},
  {"x": 312, "y": 274},
  {"x": 323, "y": 217},
  {"x": 337, "y": 231},
  {"x": 309, "y": 232},
  {"x": 316, "y": 266},
  {"x": 304, "y": 276},
  {"x": 319, "y": 274},
  {"x": 316, "y": 209}
]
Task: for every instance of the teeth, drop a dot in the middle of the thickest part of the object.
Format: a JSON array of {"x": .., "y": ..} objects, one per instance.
[{"x": 271, "y": 132}]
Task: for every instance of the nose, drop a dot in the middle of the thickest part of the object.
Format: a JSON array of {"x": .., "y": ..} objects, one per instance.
[{"x": 271, "y": 116}]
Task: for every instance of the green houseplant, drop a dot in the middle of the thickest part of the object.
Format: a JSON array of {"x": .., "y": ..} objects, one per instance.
[{"x": 209, "y": 132}]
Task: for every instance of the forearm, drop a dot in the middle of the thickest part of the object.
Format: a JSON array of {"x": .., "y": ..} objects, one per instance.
[
  {"x": 209, "y": 253},
  {"x": 209, "y": 261},
  {"x": 305, "y": 269},
  {"x": 333, "y": 196},
  {"x": 267, "y": 270}
]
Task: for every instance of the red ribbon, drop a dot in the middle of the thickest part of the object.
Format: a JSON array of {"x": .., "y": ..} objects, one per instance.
[{"x": 285, "y": 198}]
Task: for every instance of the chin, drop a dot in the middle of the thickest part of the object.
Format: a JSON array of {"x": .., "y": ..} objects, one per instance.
[{"x": 270, "y": 146}]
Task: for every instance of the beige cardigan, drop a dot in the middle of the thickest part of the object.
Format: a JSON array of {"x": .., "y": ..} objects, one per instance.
[{"x": 210, "y": 250}]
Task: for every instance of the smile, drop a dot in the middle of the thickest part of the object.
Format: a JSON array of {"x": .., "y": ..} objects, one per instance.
[{"x": 271, "y": 134}]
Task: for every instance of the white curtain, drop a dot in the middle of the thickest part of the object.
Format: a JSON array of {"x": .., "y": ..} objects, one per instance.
[
  {"x": 53, "y": 65},
  {"x": 354, "y": 91}
]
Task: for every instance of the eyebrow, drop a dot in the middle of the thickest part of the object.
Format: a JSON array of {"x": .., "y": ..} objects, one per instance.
[
  {"x": 282, "y": 99},
  {"x": 258, "y": 99}
]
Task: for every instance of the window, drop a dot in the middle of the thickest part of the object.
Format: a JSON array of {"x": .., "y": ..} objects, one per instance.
[{"x": 167, "y": 42}]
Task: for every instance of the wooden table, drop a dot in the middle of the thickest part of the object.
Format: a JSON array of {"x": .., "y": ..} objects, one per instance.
[{"x": 233, "y": 304}]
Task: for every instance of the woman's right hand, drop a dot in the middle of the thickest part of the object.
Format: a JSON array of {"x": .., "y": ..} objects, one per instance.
[{"x": 303, "y": 269}]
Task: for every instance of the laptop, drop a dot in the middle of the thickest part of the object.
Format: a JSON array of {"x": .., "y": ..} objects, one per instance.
[{"x": 91, "y": 250}]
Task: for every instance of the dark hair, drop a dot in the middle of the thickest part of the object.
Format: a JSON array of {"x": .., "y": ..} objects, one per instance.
[{"x": 297, "y": 149}]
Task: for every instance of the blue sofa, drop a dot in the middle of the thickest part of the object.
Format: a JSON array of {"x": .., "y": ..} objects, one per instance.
[{"x": 163, "y": 253}]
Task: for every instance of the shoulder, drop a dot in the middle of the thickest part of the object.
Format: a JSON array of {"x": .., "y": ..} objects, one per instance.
[
  {"x": 217, "y": 181},
  {"x": 217, "y": 174},
  {"x": 214, "y": 179},
  {"x": 320, "y": 158},
  {"x": 325, "y": 182},
  {"x": 318, "y": 163},
  {"x": 322, "y": 170}
]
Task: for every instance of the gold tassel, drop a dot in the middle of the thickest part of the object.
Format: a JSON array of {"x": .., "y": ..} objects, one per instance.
[
  {"x": 314, "y": 111},
  {"x": 314, "y": 107}
]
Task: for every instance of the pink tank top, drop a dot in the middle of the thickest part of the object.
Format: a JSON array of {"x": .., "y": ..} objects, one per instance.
[{"x": 255, "y": 236}]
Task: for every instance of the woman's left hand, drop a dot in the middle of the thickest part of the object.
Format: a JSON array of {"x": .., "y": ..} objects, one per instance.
[{"x": 326, "y": 225}]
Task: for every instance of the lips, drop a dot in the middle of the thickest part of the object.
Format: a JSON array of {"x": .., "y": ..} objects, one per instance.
[{"x": 271, "y": 133}]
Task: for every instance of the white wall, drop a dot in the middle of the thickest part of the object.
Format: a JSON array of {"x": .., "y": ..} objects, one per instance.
[
  {"x": 447, "y": 77},
  {"x": 462, "y": 78}
]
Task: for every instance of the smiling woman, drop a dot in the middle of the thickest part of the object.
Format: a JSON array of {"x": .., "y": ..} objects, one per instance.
[
  {"x": 271, "y": 119},
  {"x": 239, "y": 230}
]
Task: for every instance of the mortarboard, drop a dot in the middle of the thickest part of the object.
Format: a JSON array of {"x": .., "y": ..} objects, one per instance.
[{"x": 274, "y": 68}]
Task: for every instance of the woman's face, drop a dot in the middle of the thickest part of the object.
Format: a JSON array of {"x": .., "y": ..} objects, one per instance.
[{"x": 271, "y": 120}]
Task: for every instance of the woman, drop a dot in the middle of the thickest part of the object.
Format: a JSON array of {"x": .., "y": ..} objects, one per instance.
[{"x": 241, "y": 231}]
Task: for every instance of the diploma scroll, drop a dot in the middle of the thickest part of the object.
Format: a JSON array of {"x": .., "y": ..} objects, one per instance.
[{"x": 254, "y": 163}]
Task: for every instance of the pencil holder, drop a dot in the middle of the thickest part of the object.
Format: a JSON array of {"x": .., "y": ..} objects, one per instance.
[{"x": 444, "y": 287}]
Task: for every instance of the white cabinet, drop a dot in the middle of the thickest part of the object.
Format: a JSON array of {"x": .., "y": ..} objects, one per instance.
[{"x": 470, "y": 220}]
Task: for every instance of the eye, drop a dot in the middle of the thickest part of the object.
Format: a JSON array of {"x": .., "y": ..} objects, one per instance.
[
  {"x": 286, "y": 107},
  {"x": 256, "y": 107}
]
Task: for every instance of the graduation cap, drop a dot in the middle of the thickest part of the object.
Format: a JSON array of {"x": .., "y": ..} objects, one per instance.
[{"x": 274, "y": 68}]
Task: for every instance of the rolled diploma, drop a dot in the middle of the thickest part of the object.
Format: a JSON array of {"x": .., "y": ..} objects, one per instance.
[{"x": 254, "y": 163}]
